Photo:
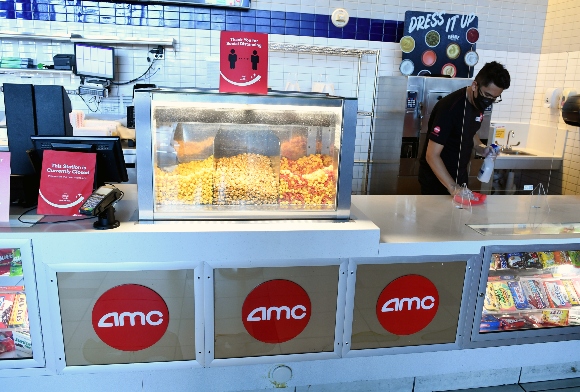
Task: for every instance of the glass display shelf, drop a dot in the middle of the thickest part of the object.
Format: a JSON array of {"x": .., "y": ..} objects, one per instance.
[
  {"x": 532, "y": 290},
  {"x": 15, "y": 341}
]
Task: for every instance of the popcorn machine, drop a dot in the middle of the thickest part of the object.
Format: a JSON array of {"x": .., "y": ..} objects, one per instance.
[{"x": 202, "y": 155}]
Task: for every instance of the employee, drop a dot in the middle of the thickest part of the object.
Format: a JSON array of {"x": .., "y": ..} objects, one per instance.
[{"x": 452, "y": 132}]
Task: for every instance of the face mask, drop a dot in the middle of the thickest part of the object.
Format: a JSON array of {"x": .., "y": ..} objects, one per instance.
[{"x": 482, "y": 102}]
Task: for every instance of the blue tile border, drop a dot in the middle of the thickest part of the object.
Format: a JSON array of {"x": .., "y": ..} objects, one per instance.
[{"x": 263, "y": 21}]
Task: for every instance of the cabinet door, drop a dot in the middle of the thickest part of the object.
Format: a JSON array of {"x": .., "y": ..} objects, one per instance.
[{"x": 20, "y": 332}]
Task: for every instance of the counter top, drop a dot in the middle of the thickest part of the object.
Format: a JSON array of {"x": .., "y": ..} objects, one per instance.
[
  {"x": 538, "y": 161},
  {"x": 389, "y": 225},
  {"x": 441, "y": 228},
  {"x": 220, "y": 241}
]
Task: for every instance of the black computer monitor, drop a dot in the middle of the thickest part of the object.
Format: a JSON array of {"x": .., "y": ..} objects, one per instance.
[
  {"x": 94, "y": 61},
  {"x": 110, "y": 165}
]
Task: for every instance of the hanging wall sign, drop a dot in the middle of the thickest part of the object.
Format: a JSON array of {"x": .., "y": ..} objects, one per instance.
[
  {"x": 437, "y": 43},
  {"x": 243, "y": 62},
  {"x": 4, "y": 186}
]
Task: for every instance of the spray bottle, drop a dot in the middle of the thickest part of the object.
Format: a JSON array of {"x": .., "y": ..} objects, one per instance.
[{"x": 486, "y": 170}]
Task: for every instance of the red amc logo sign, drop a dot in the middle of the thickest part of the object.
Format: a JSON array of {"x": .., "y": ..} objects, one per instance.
[
  {"x": 276, "y": 311},
  {"x": 130, "y": 317},
  {"x": 407, "y": 305}
]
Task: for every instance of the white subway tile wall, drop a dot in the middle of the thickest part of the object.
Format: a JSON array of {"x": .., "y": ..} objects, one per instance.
[
  {"x": 559, "y": 67},
  {"x": 511, "y": 32}
]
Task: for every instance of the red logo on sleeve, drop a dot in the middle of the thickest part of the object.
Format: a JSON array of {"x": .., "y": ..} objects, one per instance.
[{"x": 436, "y": 131}]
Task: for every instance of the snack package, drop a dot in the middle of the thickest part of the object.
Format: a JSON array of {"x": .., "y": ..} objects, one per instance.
[
  {"x": 509, "y": 323},
  {"x": 574, "y": 257},
  {"x": 19, "y": 311},
  {"x": 488, "y": 323},
  {"x": 504, "y": 296},
  {"x": 531, "y": 260},
  {"x": 6, "y": 342},
  {"x": 576, "y": 284},
  {"x": 6, "y": 302},
  {"x": 500, "y": 278},
  {"x": 574, "y": 317},
  {"x": 16, "y": 264},
  {"x": 5, "y": 261},
  {"x": 498, "y": 261},
  {"x": 4, "y": 289},
  {"x": 547, "y": 259},
  {"x": 561, "y": 257},
  {"x": 515, "y": 261},
  {"x": 22, "y": 341},
  {"x": 534, "y": 293},
  {"x": 518, "y": 295},
  {"x": 556, "y": 293},
  {"x": 555, "y": 317},
  {"x": 534, "y": 319},
  {"x": 571, "y": 292},
  {"x": 490, "y": 302}
]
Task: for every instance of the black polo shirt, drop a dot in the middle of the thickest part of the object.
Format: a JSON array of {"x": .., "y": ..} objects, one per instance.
[{"x": 452, "y": 117}]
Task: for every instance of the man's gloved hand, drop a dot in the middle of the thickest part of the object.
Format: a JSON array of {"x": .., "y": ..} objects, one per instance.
[
  {"x": 489, "y": 150},
  {"x": 462, "y": 192}
]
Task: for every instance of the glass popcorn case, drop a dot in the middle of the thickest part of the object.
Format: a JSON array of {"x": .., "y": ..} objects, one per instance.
[{"x": 207, "y": 155}]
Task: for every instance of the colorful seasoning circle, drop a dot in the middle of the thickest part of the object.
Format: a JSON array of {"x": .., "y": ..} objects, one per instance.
[
  {"x": 424, "y": 72},
  {"x": 407, "y": 67},
  {"x": 432, "y": 38},
  {"x": 449, "y": 70},
  {"x": 471, "y": 58},
  {"x": 472, "y": 35},
  {"x": 407, "y": 44},
  {"x": 429, "y": 58},
  {"x": 453, "y": 51}
]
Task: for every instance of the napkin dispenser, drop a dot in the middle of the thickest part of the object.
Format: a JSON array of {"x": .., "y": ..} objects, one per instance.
[{"x": 571, "y": 110}]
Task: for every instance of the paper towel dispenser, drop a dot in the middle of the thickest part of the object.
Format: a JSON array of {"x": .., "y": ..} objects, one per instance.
[{"x": 571, "y": 110}]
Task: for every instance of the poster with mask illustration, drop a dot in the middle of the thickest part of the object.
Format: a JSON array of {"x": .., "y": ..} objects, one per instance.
[
  {"x": 439, "y": 44},
  {"x": 243, "y": 62}
]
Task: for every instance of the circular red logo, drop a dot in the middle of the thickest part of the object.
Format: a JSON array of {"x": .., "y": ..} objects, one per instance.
[
  {"x": 130, "y": 317},
  {"x": 276, "y": 311},
  {"x": 407, "y": 305}
]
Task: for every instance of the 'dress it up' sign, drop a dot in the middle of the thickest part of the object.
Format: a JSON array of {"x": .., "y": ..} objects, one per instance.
[{"x": 243, "y": 62}]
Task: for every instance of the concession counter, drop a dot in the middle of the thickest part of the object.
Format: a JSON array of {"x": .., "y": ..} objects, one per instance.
[
  {"x": 429, "y": 293},
  {"x": 243, "y": 263}
]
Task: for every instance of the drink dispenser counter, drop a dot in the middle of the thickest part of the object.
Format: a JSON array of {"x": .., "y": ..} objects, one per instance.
[{"x": 209, "y": 156}]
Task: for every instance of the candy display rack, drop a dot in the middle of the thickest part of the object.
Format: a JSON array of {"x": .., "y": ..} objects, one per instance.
[
  {"x": 20, "y": 337},
  {"x": 14, "y": 326},
  {"x": 528, "y": 293}
]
